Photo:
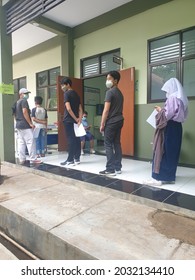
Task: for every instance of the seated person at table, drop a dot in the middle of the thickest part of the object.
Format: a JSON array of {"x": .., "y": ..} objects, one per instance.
[{"x": 88, "y": 137}]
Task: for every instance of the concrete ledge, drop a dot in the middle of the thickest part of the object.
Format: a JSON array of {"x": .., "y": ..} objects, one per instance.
[
  {"x": 61, "y": 218},
  {"x": 37, "y": 240}
]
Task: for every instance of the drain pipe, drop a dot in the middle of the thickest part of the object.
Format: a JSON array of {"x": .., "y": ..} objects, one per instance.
[{"x": 18, "y": 246}]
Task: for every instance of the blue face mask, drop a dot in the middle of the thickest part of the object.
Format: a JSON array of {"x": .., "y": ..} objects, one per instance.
[
  {"x": 26, "y": 96},
  {"x": 84, "y": 118}
]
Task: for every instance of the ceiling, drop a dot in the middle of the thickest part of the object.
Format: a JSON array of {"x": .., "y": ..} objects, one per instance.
[{"x": 69, "y": 13}]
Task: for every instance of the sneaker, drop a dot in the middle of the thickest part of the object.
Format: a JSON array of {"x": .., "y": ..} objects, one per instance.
[
  {"x": 36, "y": 161},
  {"x": 118, "y": 171},
  {"x": 67, "y": 163},
  {"x": 152, "y": 182},
  {"x": 92, "y": 151},
  {"x": 22, "y": 162},
  {"x": 77, "y": 161},
  {"x": 168, "y": 182},
  {"x": 82, "y": 152},
  {"x": 107, "y": 173}
]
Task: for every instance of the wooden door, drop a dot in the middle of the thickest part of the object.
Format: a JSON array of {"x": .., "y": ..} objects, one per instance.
[
  {"x": 126, "y": 85},
  {"x": 77, "y": 85}
]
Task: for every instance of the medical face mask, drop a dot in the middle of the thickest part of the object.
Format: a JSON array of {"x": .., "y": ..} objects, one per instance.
[
  {"x": 26, "y": 96},
  {"x": 64, "y": 87},
  {"x": 84, "y": 118},
  {"x": 109, "y": 83}
]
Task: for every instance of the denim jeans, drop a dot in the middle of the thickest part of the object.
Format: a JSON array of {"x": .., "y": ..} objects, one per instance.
[
  {"x": 74, "y": 143},
  {"x": 41, "y": 142},
  {"x": 112, "y": 135}
]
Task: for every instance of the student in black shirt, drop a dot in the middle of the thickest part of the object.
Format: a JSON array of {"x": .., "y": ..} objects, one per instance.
[
  {"x": 72, "y": 114},
  {"x": 111, "y": 124}
]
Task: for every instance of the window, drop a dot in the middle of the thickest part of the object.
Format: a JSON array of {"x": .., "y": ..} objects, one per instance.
[
  {"x": 101, "y": 63},
  {"x": 171, "y": 56},
  {"x": 18, "y": 84},
  {"x": 46, "y": 87}
]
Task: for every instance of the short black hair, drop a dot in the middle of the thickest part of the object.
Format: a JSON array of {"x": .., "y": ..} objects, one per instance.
[
  {"x": 66, "y": 81},
  {"x": 85, "y": 112},
  {"x": 38, "y": 100},
  {"x": 115, "y": 74}
]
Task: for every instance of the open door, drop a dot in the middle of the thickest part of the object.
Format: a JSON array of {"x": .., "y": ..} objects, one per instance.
[
  {"x": 126, "y": 85},
  {"x": 77, "y": 85}
]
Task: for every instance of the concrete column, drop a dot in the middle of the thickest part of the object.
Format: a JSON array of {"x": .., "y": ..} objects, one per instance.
[
  {"x": 7, "y": 150},
  {"x": 67, "y": 54}
]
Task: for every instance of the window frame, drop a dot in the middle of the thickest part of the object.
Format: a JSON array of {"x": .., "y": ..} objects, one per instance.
[
  {"x": 178, "y": 60},
  {"x": 46, "y": 88},
  {"x": 19, "y": 86},
  {"x": 98, "y": 56}
]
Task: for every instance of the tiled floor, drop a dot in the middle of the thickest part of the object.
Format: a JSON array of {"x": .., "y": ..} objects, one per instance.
[{"x": 134, "y": 172}]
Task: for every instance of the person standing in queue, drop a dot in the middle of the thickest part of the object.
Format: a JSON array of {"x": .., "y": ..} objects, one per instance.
[
  {"x": 111, "y": 124},
  {"x": 24, "y": 127},
  {"x": 168, "y": 134},
  {"x": 72, "y": 114}
]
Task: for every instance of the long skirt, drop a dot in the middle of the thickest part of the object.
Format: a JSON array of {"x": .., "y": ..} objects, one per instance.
[{"x": 172, "y": 148}]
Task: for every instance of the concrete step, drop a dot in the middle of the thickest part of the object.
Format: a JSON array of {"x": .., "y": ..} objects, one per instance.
[{"x": 61, "y": 218}]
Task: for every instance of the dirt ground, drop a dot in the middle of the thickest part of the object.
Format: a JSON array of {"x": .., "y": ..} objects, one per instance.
[{"x": 174, "y": 226}]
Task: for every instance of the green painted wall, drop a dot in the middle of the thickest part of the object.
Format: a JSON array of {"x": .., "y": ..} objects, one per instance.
[
  {"x": 144, "y": 134},
  {"x": 131, "y": 35}
]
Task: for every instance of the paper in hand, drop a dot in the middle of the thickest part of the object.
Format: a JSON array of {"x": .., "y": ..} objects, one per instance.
[
  {"x": 151, "y": 119},
  {"x": 79, "y": 130},
  {"x": 36, "y": 131}
]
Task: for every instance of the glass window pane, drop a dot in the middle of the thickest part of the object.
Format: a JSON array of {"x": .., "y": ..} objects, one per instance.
[
  {"x": 43, "y": 93},
  {"x": 53, "y": 74},
  {"x": 15, "y": 83},
  {"x": 166, "y": 48},
  {"x": 42, "y": 79},
  {"x": 91, "y": 67},
  {"x": 52, "y": 100},
  {"x": 52, "y": 92},
  {"x": 188, "y": 43},
  {"x": 160, "y": 74},
  {"x": 108, "y": 64},
  {"x": 189, "y": 77},
  {"x": 22, "y": 82}
]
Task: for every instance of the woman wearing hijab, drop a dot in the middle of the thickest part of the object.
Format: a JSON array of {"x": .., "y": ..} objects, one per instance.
[{"x": 168, "y": 134}]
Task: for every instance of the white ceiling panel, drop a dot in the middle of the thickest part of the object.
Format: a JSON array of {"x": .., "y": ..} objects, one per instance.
[
  {"x": 69, "y": 13},
  {"x": 75, "y": 12}
]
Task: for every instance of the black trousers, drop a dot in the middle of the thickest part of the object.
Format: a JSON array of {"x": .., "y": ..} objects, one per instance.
[
  {"x": 74, "y": 143},
  {"x": 112, "y": 135}
]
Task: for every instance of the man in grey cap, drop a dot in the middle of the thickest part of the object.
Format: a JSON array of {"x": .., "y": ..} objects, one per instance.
[{"x": 25, "y": 128}]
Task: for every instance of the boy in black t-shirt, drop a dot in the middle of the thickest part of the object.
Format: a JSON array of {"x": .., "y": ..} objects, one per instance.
[
  {"x": 111, "y": 124},
  {"x": 72, "y": 114}
]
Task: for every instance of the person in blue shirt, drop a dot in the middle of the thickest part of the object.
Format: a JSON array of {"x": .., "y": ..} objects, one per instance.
[{"x": 89, "y": 136}]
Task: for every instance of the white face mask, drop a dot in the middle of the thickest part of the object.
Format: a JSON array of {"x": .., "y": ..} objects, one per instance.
[
  {"x": 109, "y": 83},
  {"x": 64, "y": 87}
]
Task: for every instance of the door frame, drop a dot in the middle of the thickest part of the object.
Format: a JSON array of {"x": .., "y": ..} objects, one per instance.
[{"x": 127, "y": 87}]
